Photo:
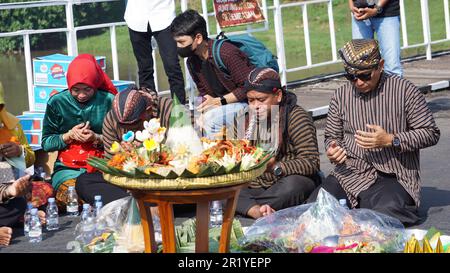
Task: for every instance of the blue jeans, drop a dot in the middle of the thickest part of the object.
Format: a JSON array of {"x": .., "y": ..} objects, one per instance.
[
  {"x": 388, "y": 36},
  {"x": 216, "y": 118}
]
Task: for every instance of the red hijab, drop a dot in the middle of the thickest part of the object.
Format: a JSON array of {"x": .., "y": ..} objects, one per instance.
[{"x": 85, "y": 69}]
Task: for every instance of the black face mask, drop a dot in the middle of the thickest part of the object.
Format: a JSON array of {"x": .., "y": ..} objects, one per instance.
[{"x": 186, "y": 51}]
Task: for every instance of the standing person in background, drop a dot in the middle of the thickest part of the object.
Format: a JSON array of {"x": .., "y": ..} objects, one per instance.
[
  {"x": 148, "y": 18},
  {"x": 383, "y": 18}
]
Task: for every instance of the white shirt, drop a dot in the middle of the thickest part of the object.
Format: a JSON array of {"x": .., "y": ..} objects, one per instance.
[{"x": 158, "y": 13}]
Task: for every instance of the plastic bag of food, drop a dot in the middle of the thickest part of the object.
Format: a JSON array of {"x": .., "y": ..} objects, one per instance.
[
  {"x": 117, "y": 229},
  {"x": 131, "y": 234},
  {"x": 273, "y": 233},
  {"x": 325, "y": 226}
]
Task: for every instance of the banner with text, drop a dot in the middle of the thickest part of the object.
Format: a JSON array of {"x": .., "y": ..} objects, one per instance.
[{"x": 231, "y": 13}]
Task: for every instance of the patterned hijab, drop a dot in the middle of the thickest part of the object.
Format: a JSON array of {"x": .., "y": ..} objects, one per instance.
[
  {"x": 360, "y": 55},
  {"x": 129, "y": 105}
]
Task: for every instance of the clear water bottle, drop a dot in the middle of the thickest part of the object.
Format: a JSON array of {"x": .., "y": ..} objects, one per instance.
[
  {"x": 72, "y": 202},
  {"x": 35, "y": 232},
  {"x": 343, "y": 203},
  {"x": 87, "y": 224},
  {"x": 27, "y": 218},
  {"x": 97, "y": 205},
  {"x": 216, "y": 216},
  {"x": 86, "y": 212},
  {"x": 52, "y": 215}
]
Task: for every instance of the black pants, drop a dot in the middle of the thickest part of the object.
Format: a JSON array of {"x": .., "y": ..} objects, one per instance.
[
  {"x": 88, "y": 185},
  {"x": 142, "y": 48},
  {"x": 386, "y": 196},
  {"x": 289, "y": 191},
  {"x": 12, "y": 211}
]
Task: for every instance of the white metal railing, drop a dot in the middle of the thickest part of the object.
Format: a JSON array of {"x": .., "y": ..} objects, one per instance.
[{"x": 277, "y": 8}]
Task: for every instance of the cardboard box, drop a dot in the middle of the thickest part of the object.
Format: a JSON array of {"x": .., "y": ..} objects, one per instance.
[
  {"x": 43, "y": 93},
  {"x": 31, "y": 121},
  {"x": 122, "y": 85},
  {"x": 34, "y": 137},
  {"x": 52, "y": 69}
]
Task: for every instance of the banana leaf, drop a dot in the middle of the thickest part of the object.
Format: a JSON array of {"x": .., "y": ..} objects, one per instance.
[
  {"x": 140, "y": 172},
  {"x": 188, "y": 174},
  {"x": 172, "y": 175},
  {"x": 208, "y": 171},
  {"x": 98, "y": 164},
  {"x": 265, "y": 159},
  {"x": 235, "y": 169}
]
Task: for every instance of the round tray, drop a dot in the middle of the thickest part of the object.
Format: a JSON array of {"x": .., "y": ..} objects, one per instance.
[{"x": 182, "y": 183}]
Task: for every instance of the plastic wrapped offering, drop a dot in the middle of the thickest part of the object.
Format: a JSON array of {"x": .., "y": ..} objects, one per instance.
[{"x": 325, "y": 226}]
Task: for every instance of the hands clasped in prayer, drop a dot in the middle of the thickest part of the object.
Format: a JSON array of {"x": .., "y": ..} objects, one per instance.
[{"x": 80, "y": 133}]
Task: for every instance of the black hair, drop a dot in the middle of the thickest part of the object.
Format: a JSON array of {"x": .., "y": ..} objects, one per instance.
[{"x": 189, "y": 23}]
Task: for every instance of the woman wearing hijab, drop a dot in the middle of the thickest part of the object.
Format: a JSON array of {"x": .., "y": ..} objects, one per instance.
[
  {"x": 130, "y": 109},
  {"x": 73, "y": 122},
  {"x": 275, "y": 122},
  {"x": 15, "y": 153}
]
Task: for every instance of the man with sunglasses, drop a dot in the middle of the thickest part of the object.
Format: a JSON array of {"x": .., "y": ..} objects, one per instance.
[{"x": 376, "y": 125}]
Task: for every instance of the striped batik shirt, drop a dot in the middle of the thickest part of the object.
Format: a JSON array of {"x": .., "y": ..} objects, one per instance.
[
  {"x": 300, "y": 155},
  {"x": 113, "y": 130},
  {"x": 399, "y": 108}
]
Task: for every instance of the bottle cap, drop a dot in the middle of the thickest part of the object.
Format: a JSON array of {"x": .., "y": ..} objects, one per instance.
[
  {"x": 342, "y": 202},
  {"x": 29, "y": 205},
  {"x": 86, "y": 206},
  {"x": 51, "y": 200},
  {"x": 97, "y": 197},
  {"x": 71, "y": 188},
  {"x": 216, "y": 204},
  {"x": 34, "y": 211}
]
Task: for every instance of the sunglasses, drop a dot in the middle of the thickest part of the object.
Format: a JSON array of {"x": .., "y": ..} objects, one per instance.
[{"x": 363, "y": 77}]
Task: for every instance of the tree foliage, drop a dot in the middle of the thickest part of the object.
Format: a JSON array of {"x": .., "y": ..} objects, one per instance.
[{"x": 54, "y": 17}]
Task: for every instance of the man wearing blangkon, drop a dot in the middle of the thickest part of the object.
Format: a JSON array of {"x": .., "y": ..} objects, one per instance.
[{"x": 375, "y": 129}]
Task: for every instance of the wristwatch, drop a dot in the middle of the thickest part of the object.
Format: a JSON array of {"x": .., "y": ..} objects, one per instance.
[
  {"x": 277, "y": 170},
  {"x": 223, "y": 100},
  {"x": 379, "y": 9},
  {"x": 396, "y": 142}
]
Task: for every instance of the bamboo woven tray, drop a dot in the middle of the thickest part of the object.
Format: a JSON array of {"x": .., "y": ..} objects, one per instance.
[{"x": 182, "y": 183}]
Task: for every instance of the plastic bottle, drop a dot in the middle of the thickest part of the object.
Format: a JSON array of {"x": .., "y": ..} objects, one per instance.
[
  {"x": 52, "y": 215},
  {"x": 86, "y": 212},
  {"x": 27, "y": 218},
  {"x": 35, "y": 232},
  {"x": 343, "y": 203},
  {"x": 216, "y": 216},
  {"x": 87, "y": 224},
  {"x": 97, "y": 205},
  {"x": 72, "y": 202}
]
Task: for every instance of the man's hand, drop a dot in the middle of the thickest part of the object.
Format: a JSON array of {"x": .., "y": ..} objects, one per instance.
[
  {"x": 365, "y": 13},
  {"x": 11, "y": 149},
  {"x": 377, "y": 138},
  {"x": 20, "y": 187},
  {"x": 270, "y": 165},
  {"x": 336, "y": 154},
  {"x": 209, "y": 103}
]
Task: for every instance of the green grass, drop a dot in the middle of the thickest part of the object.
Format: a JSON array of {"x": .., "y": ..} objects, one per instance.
[{"x": 293, "y": 36}]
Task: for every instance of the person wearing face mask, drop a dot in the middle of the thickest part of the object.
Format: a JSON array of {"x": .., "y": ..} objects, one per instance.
[
  {"x": 376, "y": 125},
  {"x": 73, "y": 122},
  {"x": 222, "y": 95}
]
